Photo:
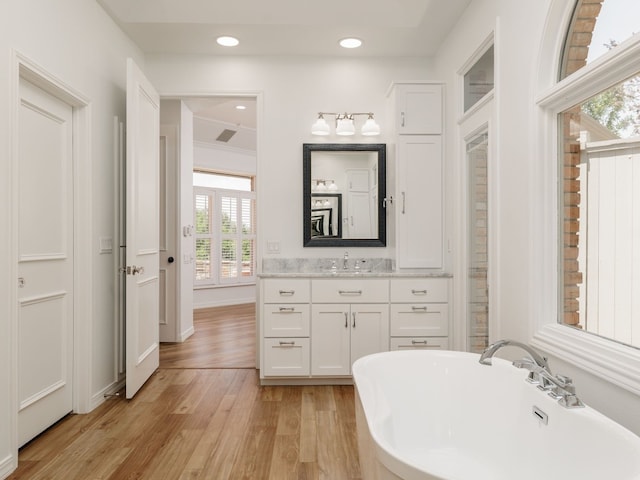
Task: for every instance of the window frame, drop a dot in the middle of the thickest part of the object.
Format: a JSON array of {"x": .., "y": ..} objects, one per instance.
[
  {"x": 605, "y": 358},
  {"x": 217, "y": 236}
]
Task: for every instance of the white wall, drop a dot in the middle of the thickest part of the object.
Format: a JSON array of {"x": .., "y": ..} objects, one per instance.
[
  {"x": 290, "y": 93},
  {"x": 75, "y": 41},
  {"x": 187, "y": 248},
  {"x": 520, "y": 26}
]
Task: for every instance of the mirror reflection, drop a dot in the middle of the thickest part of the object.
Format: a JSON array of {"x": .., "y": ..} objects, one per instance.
[
  {"x": 326, "y": 214},
  {"x": 344, "y": 188}
]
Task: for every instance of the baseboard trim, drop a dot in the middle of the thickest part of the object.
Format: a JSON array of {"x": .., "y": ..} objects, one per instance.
[
  {"x": 8, "y": 465},
  {"x": 100, "y": 397},
  {"x": 187, "y": 333},
  {"x": 223, "y": 303}
]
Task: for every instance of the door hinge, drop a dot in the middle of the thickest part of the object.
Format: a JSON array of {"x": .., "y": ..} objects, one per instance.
[{"x": 131, "y": 270}]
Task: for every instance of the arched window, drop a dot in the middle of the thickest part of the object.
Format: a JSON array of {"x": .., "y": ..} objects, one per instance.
[{"x": 599, "y": 169}]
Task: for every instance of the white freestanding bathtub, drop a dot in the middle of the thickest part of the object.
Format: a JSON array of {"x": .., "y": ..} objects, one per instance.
[{"x": 442, "y": 415}]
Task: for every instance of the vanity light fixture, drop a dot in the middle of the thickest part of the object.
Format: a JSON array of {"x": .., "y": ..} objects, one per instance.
[
  {"x": 322, "y": 185},
  {"x": 345, "y": 124}
]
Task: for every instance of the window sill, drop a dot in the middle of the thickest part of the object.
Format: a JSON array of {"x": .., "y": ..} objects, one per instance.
[
  {"x": 616, "y": 363},
  {"x": 224, "y": 285}
]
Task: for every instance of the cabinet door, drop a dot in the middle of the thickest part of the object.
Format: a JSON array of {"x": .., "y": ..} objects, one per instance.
[
  {"x": 330, "y": 340},
  {"x": 286, "y": 320},
  {"x": 286, "y": 357},
  {"x": 289, "y": 290},
  {"x": 418, "y": 109},
  {"x": 369, "y": 330},
  {"x": 420, "y": 216},
  {"x": 421, "y": 320}
]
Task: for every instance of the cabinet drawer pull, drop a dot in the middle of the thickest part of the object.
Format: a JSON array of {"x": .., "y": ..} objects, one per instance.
[
  {"x": 287, "y": 344},
  {"x": 419, "y": 309},
  {"x": 350, "y": 292},
  {"x": 287, "y": 309},
  {"x": 418, "y": 342},
  {"x": 287, "y": 292},
  {"x": 418, "y": 292}
]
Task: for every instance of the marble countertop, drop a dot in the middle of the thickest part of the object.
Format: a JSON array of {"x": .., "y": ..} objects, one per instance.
[
  {"x": 322, "y": 268},
  {"x": 351, "y": 274}
]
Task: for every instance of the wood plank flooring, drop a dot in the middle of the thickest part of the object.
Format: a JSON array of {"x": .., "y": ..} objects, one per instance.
[
  {"x": 224, "y": 337},
  {"x": 203, "y": 423}
]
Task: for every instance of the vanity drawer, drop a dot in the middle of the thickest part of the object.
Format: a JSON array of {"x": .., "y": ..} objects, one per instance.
[
  {"x": 350, "y": 290},
  {"x": 413, "y": 290},
  {"x": 419, "y": 343},
  {"x": 286, "y": 320},
  {"x": 419, "y": 320},
  {"x": 286, "y": 357},
  {"x": 289, "y": 290}
]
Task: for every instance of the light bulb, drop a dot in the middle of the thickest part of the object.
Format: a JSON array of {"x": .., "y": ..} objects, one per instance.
[
  {"x": 370, "y": 128},
  {"x": 320, "y": 127},
  {"x": 345, "y": 127}
]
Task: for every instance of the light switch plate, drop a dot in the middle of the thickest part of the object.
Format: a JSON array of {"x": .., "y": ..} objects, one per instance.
[{"x": 273, "y": 247}]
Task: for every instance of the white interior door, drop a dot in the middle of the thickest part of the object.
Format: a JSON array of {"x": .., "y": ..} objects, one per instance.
[
  {"x": 45, "y": 260},
  {"x": 142, "y": 226}
]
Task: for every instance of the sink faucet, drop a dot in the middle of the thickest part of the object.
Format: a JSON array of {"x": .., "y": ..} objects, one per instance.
[{"x": 345, "y": 260}]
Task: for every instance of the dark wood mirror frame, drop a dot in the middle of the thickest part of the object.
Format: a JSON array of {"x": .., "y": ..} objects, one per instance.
[{"x": 308, "y": 239}]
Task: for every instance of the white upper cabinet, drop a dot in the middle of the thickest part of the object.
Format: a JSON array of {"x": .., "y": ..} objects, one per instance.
[
  {"x": 419, "y": 202},
  {"x": 417, "y": 108}
]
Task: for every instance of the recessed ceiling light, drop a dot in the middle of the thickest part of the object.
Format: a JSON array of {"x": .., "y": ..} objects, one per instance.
[
  {"x": 226, "y": 41},
  {"x": 350, "y": 42},
  {"x": 241, "y": 107}
]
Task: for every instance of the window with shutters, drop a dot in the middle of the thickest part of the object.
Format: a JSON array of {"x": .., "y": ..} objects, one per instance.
[{"x": 225, "y": 229}]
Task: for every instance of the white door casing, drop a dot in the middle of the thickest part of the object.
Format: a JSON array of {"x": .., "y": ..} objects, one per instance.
[
  {"x": 142, "y": 225},
  {"x": 169, "y": 204},
  {"x": 45, "y": 307}
]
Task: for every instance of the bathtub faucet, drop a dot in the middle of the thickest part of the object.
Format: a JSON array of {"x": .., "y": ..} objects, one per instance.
[
  {"x": 490, "y": 351},
  {"x": 558, "y": 387}
]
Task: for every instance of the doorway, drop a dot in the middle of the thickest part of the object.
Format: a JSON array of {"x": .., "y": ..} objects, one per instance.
[{"x": 212, "y": 133}]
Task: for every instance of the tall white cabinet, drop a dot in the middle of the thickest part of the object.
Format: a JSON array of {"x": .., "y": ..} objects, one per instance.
[{"x": 417, "y": 110}]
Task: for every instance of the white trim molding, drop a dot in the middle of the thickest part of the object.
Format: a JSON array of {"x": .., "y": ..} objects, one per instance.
[
  {"x": 602, "y": 357},
  {"x": 607, "y": 359}
]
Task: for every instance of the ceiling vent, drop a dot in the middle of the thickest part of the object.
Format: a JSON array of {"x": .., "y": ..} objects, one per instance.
[{"x": 226, "y": 135}]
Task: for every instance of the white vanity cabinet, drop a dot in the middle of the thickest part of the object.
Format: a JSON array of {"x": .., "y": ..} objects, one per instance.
[
  {"x": 419, "y": 313},
  {"x": 419, "y": 199},
  {"x": 286, "y": 327},
  {"x": 349, "y": 319}
]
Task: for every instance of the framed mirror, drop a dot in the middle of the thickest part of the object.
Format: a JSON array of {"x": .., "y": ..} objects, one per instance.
[{"x": 344, "y": 186}]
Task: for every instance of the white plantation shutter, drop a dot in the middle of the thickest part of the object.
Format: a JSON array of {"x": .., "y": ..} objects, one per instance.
[{"x": 225, "y": 236}]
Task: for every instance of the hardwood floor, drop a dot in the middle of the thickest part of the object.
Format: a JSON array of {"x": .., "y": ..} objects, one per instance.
[
  {"x": 225, "y": 337},
  {"x": 204, "y": 423}
]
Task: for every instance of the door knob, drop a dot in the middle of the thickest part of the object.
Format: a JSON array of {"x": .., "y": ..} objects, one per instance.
[{"x": 170, "y": 259}]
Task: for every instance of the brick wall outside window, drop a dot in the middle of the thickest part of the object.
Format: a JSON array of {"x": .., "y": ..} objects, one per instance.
[{"x": 574, "y": 58}]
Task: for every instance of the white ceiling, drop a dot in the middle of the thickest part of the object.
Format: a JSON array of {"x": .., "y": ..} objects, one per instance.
[
  {"x": 287, "y": 27},
  {"x": 388, "y": 28}
]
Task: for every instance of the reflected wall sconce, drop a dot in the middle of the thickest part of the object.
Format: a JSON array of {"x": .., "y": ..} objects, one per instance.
[
  {"x": 321, "y": 185},
  {"x": 345, "y": 125}
]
